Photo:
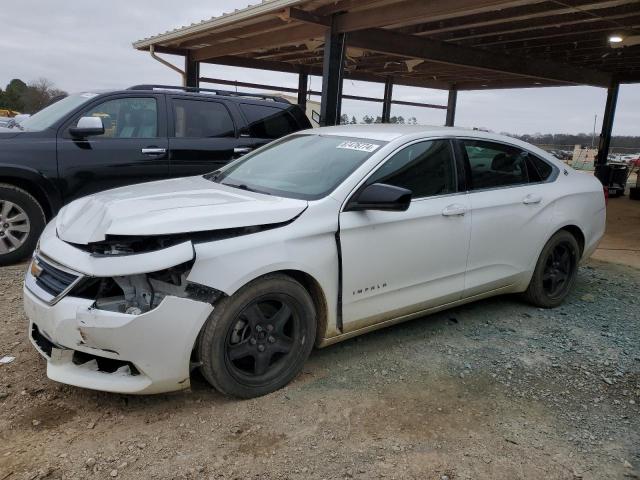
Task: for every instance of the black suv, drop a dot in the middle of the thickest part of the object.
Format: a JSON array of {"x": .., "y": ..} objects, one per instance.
[{"x": 89, "y": 142}]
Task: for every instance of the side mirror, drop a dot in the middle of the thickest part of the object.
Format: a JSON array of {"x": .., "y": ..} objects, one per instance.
[
  {"x": 86, "y": 127},
  {"x": 380, "y": 196}
]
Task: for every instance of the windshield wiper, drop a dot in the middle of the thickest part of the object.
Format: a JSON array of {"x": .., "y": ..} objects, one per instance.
[{"x": 242, "y": 186}]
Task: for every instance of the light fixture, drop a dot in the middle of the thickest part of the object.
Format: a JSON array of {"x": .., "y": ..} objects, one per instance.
[{"x": 616, "y": 39}]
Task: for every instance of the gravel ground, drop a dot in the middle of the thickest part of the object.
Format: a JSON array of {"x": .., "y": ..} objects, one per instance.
[{"x": 495, "y": 389}]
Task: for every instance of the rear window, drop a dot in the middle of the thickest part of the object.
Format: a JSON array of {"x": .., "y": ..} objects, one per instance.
[
  {"x": 201, "y": 119},
  {"x": 268, "y": 122},
  {"x": 495, "y": 165}
]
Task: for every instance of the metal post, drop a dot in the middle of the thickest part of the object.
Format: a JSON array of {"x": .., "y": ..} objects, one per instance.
[
  {"x": 332, "y": 76},
  {"x": 607, "y": 127},
  {"x": 303, "y": 82},
  {"x": 386, "y": 103},
  {"x": 451, "y": 107},
  {"x": 192, "y": 71}
]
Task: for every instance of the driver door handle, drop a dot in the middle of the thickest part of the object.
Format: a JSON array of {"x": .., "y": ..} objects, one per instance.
[
  {"x": 454, "y": 210},
  {"x": 153, "y": 151},
  {"x": 532, "y": 199}
]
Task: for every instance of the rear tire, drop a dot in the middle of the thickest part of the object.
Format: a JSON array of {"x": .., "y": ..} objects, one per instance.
[
  {"x": 555, "y": 272},
  {"x": 21, "y": 223},
  {"x": 257, "y": 340}
]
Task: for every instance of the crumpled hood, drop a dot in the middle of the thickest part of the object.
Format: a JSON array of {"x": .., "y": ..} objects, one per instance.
[{"x": 180, "y": 205}]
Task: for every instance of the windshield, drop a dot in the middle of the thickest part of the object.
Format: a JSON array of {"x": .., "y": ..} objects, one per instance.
[
  {"x": 46, "y": 117},
  {"x": 307, "y": 167}
]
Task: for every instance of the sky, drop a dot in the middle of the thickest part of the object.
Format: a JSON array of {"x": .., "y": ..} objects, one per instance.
[{"x": 86, "y": 44}]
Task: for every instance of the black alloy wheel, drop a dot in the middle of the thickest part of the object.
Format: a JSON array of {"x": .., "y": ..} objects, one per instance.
[
  {"x": 257, "y": 340},
  {"x": 262, "y": 338},
  {"x": 559, "y": 267},
  {"x": 555, "y": 272}
]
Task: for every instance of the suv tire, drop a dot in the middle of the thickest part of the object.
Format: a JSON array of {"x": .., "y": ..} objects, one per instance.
[
  {"x": 555, "y": 272},
  {"x": 21, "y": 223},
  {"x": 257, "y": 340}
]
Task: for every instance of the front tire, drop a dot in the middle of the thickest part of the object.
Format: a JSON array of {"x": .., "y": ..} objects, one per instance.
[
  {"x": 256, "y": 341},
  {"x": 21, "y": 223},
  {"x": 555, "y": 272}
]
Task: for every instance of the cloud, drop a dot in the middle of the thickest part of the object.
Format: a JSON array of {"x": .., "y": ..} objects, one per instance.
[{"x": 86, "y": 44}]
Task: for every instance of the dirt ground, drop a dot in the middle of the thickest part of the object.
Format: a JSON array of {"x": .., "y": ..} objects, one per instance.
[
  {"x": 622, "y": 243},
  {"x": 495, "y": 389}
]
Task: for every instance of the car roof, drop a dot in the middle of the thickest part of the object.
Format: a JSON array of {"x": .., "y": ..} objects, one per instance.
[
  {"x": 388, "y": 132},
  {"x": 268, "y": 100}
]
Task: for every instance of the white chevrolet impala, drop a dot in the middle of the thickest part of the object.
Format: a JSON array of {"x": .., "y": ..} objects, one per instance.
[{"x": 313, "y": 239}]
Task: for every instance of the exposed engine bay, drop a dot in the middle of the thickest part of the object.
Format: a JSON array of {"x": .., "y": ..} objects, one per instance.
[{"x": 137, "y": 294}]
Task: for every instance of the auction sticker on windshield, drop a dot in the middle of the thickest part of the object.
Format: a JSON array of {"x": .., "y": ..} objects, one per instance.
[{"x": 361, "y": 147}]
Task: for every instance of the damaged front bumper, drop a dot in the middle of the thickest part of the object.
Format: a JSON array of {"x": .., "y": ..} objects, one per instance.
[
  {"x": 116, "y": 352},
  {"x": 94, "y": 320}
]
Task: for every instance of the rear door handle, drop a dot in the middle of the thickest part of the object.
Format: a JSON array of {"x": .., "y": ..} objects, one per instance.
[
  {"x": 154, "y": 151},
  {"x": 455, "y": 210},
  {"x": 532, "y": 199},
  {"x": 242, "y": 150}
]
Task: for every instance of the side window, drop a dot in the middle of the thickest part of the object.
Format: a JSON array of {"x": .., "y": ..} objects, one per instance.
[
  {"x": 201, "y": 119},
  {"x": 538, "y": 169},
  {"x": 495, "y": 165},
  {"x": 127, "y": 117},
  {"x": 268, "y": 122},
  {"x": 425, "y": 168}
]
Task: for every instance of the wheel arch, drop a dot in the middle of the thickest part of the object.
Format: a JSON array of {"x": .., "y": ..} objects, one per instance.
[
  {"x": 313, "y": 287},
  {"x": 36, "y": 185},
  {"x": 577, "y": 233},
  {"x": 317, "y": 295}
]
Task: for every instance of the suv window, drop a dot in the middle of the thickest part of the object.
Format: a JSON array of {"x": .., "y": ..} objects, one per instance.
[
  {"x": 127, "y": 117},
  {"x": 425, "y": 168},
  {"x": 268, "y": 122},
  {"x": 201, "y": 119},
  {"x": 495, "y": 165}
]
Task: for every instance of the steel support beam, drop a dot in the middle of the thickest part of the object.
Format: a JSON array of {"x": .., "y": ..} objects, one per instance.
[
  {"x": 451, "y": 107},
  {"x": 191, "y": 70},
  {"x": 303, "y": 88},
  {"x": 410, "y": 46},
  {"x": 386, "y": 103},
  {"x": 332, "y": 78},
  {"x": 607, "y": 128}
]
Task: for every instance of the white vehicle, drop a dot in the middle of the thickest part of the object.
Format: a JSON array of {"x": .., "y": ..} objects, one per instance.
[{"x": 312, "y": 239}]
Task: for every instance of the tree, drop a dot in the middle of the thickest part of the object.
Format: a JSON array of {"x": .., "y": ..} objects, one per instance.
[
  {"x": 344, "y": 119},
  {"x": 30, "y": 98},
  {"x": 39, "y": 94},
  {"x": 353, "y": 120},
  {"x": 367, "y": 119},
  {"x": 12, "y": 98}
]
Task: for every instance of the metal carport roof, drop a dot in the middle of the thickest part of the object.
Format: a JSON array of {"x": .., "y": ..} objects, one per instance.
[
  {"x": 443, "y": 44},
  {"x": 471, "y": 44}
]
